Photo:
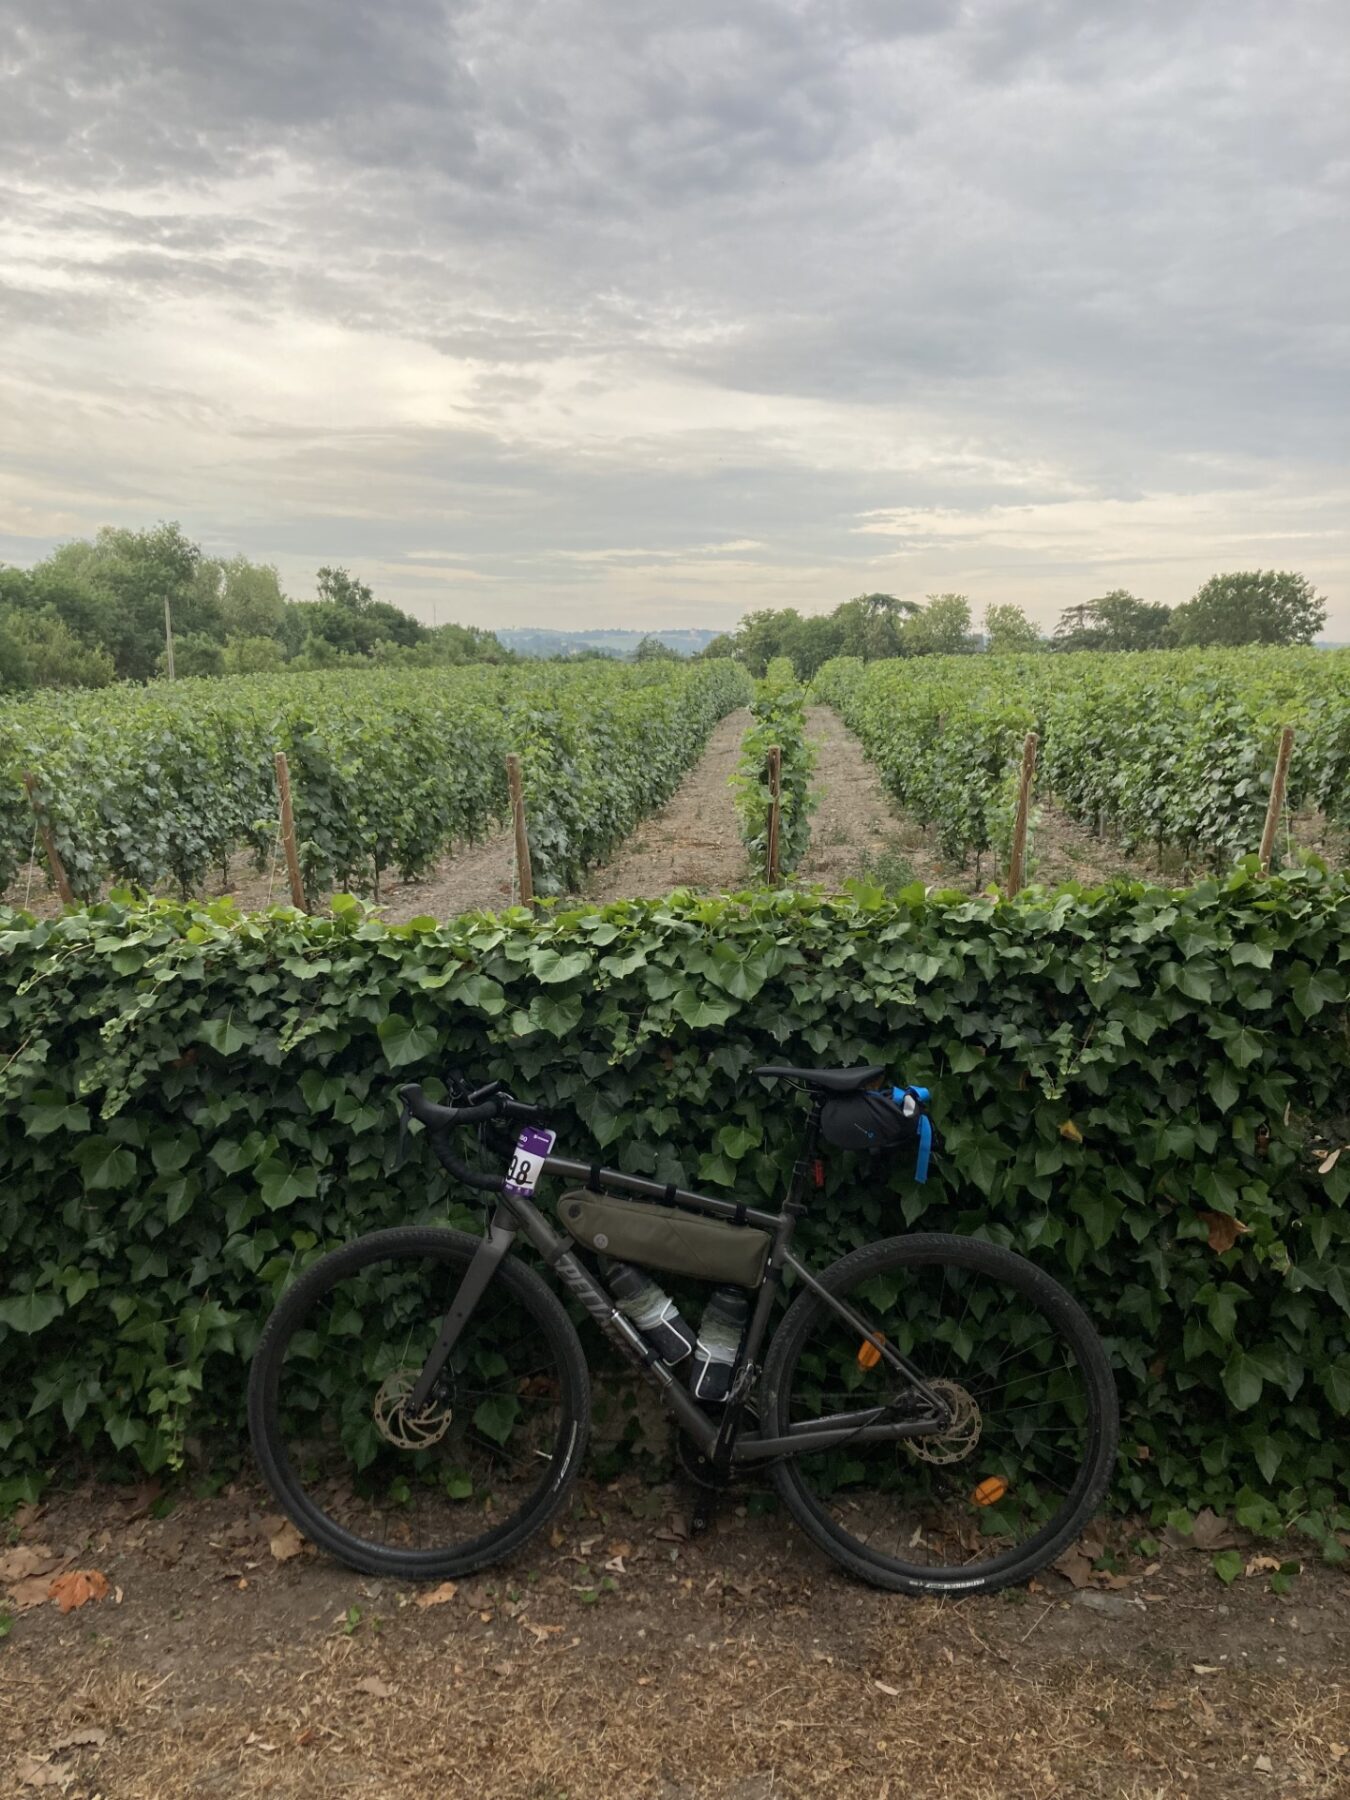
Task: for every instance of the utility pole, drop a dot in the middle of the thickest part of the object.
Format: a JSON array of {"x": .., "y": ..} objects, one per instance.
[{"x": 168, "y": 638}]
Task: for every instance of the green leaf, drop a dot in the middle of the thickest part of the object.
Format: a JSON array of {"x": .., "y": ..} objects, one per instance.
[
  {"x": 1228, "y": 1565},
  {"x": 548, "y": 966},
  {"x": 223, "y": 1035},
  {"x": 1242, "y": 1380},
  {"x": 31, "y": 1312},
  {"x": 701, "y": 1010},
  {"x": 404, "y": 1042},
  {"x": 496, "y": 1416},
  {"x": 1334, "y": 1380},
  {"x": 104, "y": 1164}
]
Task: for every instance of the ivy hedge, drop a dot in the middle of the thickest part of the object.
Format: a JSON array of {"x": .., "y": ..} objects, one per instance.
[{"x": 193, "y": 1103}]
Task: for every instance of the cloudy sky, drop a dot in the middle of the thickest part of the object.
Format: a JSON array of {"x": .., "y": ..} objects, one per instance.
[{"x": 618, "y": 312}]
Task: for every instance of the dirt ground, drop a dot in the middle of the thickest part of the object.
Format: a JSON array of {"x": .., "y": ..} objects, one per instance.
[
  {"x": 693, "y": 841},
  {"x": 618, "y": 1660}
]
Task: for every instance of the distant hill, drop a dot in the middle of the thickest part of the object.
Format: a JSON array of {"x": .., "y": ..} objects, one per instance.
[{"x": 527, "y": 641}]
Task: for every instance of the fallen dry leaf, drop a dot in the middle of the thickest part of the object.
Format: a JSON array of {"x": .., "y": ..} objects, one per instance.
[
  {"x": 25, "y": 1560},
  {"x": 25, "y": 1595},
  {"x": 1262, "y": 1565},
  {"x": 37, "y": 1772},
  {"x": 27, "y": 1514},
  {"x": 91, "y": 1736},
  {"x": 1070, "y": 1131},
  {"x": 438, "y": 1596},
  {"x": 78, "y": 1588},
  {"x": 1328, "y": 1162},
  {"x": 885, "y": 1690},
  {"x": 1209, "y": 1531},
  {"x": 504, "y": 1669},
  {"x": 541, "y": 1632},
  {"x": 1224, "y": 1231},
  {"x": 371, "y": 1684},
  {"x": 1206, "y": 1669},
  {"x": 1075, "y": 1566},
  {"x": 286, "y": 1543}
]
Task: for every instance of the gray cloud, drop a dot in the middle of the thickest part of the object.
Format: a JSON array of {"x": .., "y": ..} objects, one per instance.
[{"x": 517, "y": 280}]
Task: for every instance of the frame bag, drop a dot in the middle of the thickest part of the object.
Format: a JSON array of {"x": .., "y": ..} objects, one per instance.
[{"x": 659, "y": 1237}]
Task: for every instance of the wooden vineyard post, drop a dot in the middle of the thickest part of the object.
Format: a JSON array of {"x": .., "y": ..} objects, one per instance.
[
  {"x": 1017, "y": 862},
  {"x": 524, "y": 873},
  {"x": 775, "y": 810},
  {"x": 288, "y": 833},
  {"x": 54, "y": 863},
  {"x": 1277, "y": 787}
]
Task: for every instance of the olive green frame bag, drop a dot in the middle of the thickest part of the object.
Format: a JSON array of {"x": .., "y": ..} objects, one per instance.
[{"x": 659, "y": 1237}]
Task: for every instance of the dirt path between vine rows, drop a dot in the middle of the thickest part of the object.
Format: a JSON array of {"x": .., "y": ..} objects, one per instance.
[
  {"x": 694, "y": 841},
  {"x": 616, "y": 1659}
]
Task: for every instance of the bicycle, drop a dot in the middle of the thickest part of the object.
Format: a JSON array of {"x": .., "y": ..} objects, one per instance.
[{"x": 936, "y": 1413}]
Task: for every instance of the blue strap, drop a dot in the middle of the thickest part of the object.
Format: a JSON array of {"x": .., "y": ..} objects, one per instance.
[
  {"x": 925, "y": 1129},
  {"x": 925, "y": 1148}
]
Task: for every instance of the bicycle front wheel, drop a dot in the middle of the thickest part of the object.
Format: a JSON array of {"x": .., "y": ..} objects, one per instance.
[
  {"x": 486, "y": 1463},
  {"x": 1028, "y": 1448}
]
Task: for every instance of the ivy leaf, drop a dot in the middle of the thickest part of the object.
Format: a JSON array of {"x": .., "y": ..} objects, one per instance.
[
  {"x": 104, "y": 1164},
  {"x": 495, "y": 1417},
  {"x": 31, "y": 1312},
  {"x": 1335, "y": 1383},
  {"x": 405, "y": 1042},
  {"x": 223, "y": 1035},
  {"x": 700, "y": 1010},
  {"x": 549, "y": 966},
  {"x": 1242, "y": 1380}
]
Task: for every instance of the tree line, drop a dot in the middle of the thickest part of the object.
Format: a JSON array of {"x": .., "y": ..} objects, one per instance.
[
  {"x": 1263, "y": 606},
  {"x": 93, "y": 612}
]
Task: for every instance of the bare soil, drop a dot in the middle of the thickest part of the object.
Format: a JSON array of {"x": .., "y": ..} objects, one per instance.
[
  {"x": 694, "y": 841},
  {"x": 619, "y": 1660}
]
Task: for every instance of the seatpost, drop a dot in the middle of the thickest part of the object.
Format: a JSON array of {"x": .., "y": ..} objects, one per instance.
[{"x": 800, "y": 1169}]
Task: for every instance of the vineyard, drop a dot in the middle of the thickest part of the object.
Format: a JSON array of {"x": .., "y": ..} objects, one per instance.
[
  {"x": 147, "y": 785},
  {"x": 1160, "y": 751}
]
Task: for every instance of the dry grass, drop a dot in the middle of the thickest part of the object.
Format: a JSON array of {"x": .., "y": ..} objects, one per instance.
[{"x": 923, "y": 1706}]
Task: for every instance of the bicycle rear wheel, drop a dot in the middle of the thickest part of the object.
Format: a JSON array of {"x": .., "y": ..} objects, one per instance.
[
  {"x": 1030, "y": 1446},
  {"x": 490, "y": 1459}
]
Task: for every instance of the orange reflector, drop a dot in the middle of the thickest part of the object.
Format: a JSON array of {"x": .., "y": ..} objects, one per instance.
[
  {"x": 990, "y": 1491},
  {"x": 868, "y": 1354}
]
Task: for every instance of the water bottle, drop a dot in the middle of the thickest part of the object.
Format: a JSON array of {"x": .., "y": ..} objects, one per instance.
[
  {"x": 652, "y": 1310},
  {"x": 719, "y": 1341}
]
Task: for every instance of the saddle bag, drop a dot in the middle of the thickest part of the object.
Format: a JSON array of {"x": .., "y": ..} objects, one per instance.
[
  {"x": 660, "y": 1237},
  {"x": 881, "y": 1119}
]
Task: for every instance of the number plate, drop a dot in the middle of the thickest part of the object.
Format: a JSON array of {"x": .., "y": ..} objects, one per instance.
[{"x": 527, "y": 1159}]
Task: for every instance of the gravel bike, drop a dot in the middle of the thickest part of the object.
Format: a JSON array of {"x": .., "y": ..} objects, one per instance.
[{"x": 937, "y": 1413}]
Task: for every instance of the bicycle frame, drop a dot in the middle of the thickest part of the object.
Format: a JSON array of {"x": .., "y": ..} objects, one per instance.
[{"x": 719, "y": 1437}]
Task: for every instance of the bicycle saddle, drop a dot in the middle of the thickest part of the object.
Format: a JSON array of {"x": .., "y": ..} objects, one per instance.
[{"x": 829, "y": 1081}]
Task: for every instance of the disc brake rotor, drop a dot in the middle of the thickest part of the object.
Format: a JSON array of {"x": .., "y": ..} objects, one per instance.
[
  {"x": 405, "y": 1430},
  {"x": 959, "y": 1437}
]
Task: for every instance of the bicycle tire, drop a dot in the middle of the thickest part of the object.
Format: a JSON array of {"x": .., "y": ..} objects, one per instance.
[
  {"x": 905, "y": 1255},
  {"x": 453, "y": 1249}
]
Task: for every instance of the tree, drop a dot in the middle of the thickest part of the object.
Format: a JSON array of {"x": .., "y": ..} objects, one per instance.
[
  {"x": 1263, "y": 606},
  {"x": 1008, "y": 631},
  {"x": 1115, "y": 621},
  {"x": 872, "y": 625},
  {"x": 651, "y": 649},
  {"x": 251, "y": 600},
  {"x": 253, "y": 655},
  {"x": 344, "y": 590},
  {"x": 942, "y": 628},
  {"x": 38, "y": 649},
  {"x": 194, "y": 653},
  {"x": 125, "y": 577},
  {"x": 724, "y": 644}
]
